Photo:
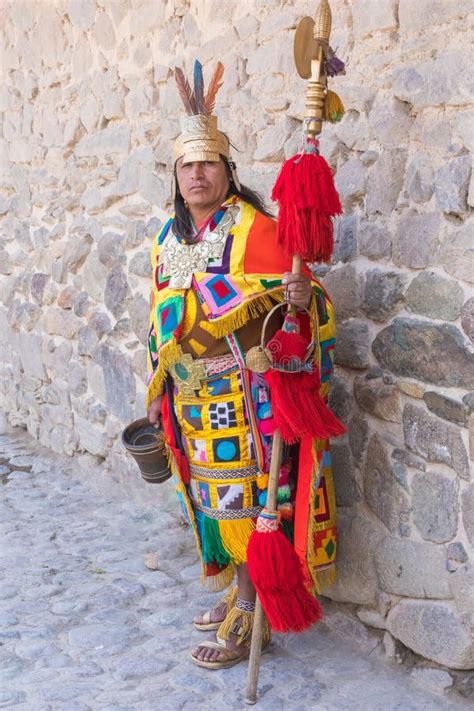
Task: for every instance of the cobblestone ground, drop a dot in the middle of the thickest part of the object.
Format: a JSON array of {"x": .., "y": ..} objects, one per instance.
[{"x": 84, "y": 624}]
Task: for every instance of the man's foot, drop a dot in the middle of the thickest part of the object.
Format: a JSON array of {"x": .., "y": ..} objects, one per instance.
[
  {"x": 231, "y": 643},
  {"x": 212, "y": 619},
  {"x": 217, "y": 653}
]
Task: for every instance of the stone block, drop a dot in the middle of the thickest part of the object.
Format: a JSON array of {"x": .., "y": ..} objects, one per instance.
[
  {"x": 358, "y": 431},
  {"x": 30, "y": 353},
  {"x": 94, "y": 277},
  {"x": 116, "y": 291},
  {"x": 119, "y": 379},
  {"x": 147, "y": 16},
  {"x": 412, "y": 569},
  {"x": 81, "y": 13},
  {"x": 444, "y": 79},
  {"x": 345, "y": 239},
  {"x": 383, "y": 493},
  {"x": 111, "y": 248},
  {"x": 96, "y": 381},
  {"x": 347, "y": 493},
  {"x": 467, "y": 504},
  {"x": 139, "y": 312},
  {"x": 435, "y": 680},
  {"x": 350, "y": 182},
  {"x": 86, "y": 341},
  {"x": 386, "y": 181},
  {"x": 100, "y": 324},
  {"x": 413, "y": 15},
  {"x": 103, "y": 32},
  {"x": 356, "y": 580},
  {"x": 76, "y": 252},
  {"x": 340, "y": 398},
  {"x": 419, "y": 178},
  {"x": 467, "y": 318},
  {"x": 435, "y": 296},
  {"x": 435, "y": 506},
  {"x": 455, "y": 556},
  {"x": 417, "y": 240},
  {"x": 352, "y": 348},
  {"x": 374, "y": 15},
  {"x": 91, "y": 438},
  {"x": 391, "y": 122},
  {"x": 434, "y": 439},
  {"x": 457, "y": 254},
  {"x": 38, "y": 283},
  {"x": 61, "y": 323},
  {"x": 411, "y": 348},
  {"x": 66, "y": 297},
  {"x": 433, "y": 629},
  {"x": 57, "y": 358},
  {"x": 113, "y": 139},
  {"x": 408, "y": 459},
  {"x": 383, "y": 294},
  {"x": 462, "y": 587},
  {"x": 447, "y": 408},
  {"x": 379, "y": 396},
  {"x": 344, "y": 287},
  {"x": 270, "y": 143},
  {"x": 375, "y": 241},
  {"x": 451, "y": 185},
  {"x": 140, "y": 264}
]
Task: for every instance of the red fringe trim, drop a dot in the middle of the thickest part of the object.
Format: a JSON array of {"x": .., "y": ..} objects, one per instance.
[
  {"x": 308, "y": 200},
  {"x": 275, "y": 571}
]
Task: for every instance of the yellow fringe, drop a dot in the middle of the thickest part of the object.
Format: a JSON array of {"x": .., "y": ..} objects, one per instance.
[
  {"x": 237, "y": 620},
  {"x": 333, "y": 107},
  {"x": 169, "y": 354},
  {"x": 235, "y": 538},
  {"x": 216, "y": 583},
  {"x": 243, "y": 622},
  {"x": 250, "y": 310},
  {"x": 326, "y": 577}
]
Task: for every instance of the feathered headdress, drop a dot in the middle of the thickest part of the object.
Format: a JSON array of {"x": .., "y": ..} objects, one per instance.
[{"x": 200, "y": 139}]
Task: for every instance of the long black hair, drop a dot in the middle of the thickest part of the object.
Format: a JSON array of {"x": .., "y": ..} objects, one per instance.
[{"x": 182, "y": 223}]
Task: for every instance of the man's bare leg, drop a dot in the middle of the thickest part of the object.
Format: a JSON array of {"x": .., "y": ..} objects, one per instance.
[{"x": 245, "y": 591}]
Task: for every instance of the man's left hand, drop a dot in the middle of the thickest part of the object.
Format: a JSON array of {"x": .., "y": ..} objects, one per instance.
[{"x": 298, "y": 288}]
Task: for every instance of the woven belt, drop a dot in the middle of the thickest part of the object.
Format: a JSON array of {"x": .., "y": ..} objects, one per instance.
[
  {"x": 241, "y": 473},
  {"x": 228, "y": 514}
]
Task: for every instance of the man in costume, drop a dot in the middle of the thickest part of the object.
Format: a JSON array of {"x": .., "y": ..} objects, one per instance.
[{"x": 217, "y": 273}]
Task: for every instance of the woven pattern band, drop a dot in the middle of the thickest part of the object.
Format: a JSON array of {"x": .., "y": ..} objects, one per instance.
[
  {"x": 203, "y": 473},
  {"x": 228, "y": 514}
]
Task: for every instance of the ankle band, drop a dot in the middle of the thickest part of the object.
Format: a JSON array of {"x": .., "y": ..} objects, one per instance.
[{"x": 245, "y": 605}]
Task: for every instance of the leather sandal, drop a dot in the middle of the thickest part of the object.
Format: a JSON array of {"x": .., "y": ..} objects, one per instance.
[
  {"x": 231, "y": 656},
  {"x": 207, "y": 625}
]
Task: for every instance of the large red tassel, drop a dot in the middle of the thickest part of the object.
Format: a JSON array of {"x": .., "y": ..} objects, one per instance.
[
  {"x": 297, "y": 406},
  {"x": 308, "y": 201},
  {"x": 275, "y": 571}
]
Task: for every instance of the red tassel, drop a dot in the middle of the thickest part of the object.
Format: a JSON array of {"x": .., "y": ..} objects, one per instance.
[
  {"x": 275, "y": 571},
  {"x": 308, "y": 200},
  {"x": 297, "y": 406}
]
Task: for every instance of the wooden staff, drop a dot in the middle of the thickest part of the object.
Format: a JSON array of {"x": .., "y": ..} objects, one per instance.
[{"x": 314, "y": 110}]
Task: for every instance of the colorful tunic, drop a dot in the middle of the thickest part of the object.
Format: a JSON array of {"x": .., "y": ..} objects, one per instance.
[{"x": 208, "y": 304}]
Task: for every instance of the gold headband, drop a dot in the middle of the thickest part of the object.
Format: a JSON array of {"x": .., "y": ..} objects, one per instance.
[{"x": 200, "y": 139}]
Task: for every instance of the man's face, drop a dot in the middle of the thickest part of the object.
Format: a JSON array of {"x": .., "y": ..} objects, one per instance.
[{"x": 202, "y": 183}]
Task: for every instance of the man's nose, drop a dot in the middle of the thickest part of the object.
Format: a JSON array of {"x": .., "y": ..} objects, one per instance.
[{"x": 197, "y": 170}]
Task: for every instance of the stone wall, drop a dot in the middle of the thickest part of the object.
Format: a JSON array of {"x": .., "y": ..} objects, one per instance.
[{"x": 89, "y": 111}]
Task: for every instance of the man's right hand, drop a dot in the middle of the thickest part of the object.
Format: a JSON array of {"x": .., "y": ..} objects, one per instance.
[{"x": 154, "y": 411}]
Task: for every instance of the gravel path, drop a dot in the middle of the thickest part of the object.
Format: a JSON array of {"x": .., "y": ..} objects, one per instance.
[{"x": 85, "y": 625}]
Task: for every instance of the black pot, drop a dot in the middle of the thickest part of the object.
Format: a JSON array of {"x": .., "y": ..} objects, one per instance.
[{"x": 145, "y": 443}]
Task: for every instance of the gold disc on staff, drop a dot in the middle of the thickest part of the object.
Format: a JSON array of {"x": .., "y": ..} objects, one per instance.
[{"x": 257, "y": 361}]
